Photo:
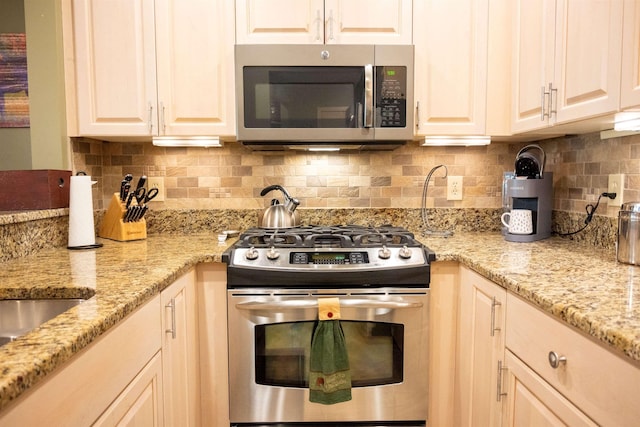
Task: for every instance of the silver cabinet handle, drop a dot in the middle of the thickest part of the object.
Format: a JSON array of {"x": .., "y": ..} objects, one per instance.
[
  {"x": 499, "y": 392},
  {"x": 418, "y": 115},
  {"x": 552, "y": 105},
  {"x": 330, "y": 24},
  {"x": 150, "y": 118},
  {"x": 172, "y": 330},
  {"x": 318, "y": 25},
  {"x": 494, "y": 304},
  {"x": 310, "y": 303},
  {"x": 368, "y": 96},
  {"x": 543, "y": 94},
  {"x": 162, "y": 119},
  {"x": 555, "y": 360}
]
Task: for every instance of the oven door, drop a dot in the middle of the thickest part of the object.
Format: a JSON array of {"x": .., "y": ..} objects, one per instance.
[{"x": 386, "y": 332}]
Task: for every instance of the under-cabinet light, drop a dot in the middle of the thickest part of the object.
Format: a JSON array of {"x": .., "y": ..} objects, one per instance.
[
  {"x": 324, "y": 149},
  {"x": 627, "y": 121},
  {"x": 192, "y": 141},
  {"x": 438, "y": 141}
]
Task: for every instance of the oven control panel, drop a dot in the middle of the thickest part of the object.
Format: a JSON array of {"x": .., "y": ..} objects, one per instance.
[{"x": 329, "y": 258}]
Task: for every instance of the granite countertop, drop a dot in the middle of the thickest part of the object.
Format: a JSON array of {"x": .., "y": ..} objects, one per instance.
[{"x": 584, "y": 287}]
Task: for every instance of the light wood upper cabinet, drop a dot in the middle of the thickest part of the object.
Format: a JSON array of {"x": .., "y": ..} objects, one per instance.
[
  {"x": 451, "y": 50},
  {"x": 630, "y": 85},
  {"x": 323, "y": 21},
  {"x": 115, "y": 67},
  {"x": 566, "y": 61},
  {"x": 480, "y": 350},
  {"x": 120, "y": 44},
  {"x": 180, "y": 353},
  {"x": 194, "y": 56}
]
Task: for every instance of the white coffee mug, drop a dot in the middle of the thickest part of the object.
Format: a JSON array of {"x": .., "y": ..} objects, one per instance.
[{"x": 520, "y": 221}]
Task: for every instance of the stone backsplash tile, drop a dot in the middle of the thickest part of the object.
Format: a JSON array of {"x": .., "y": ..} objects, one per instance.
[{"x": 232, "y": 177}]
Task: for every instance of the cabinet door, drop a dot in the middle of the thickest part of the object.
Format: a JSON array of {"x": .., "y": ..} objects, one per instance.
[
  {"x": 194, "y": 51},
  {"x": 180, "y": 352},
  {"x": 368, "y": 21},
  {"x": 323, "y": 21},
  {"x": 450, "y": 40},
  {"x": 279, "y": 21},
  {"x": 480, "y": 350},
  {"x": 630, "y": 85},
  {"x": 140, "y": 404},
  {"x": 88, "y": 384},
  {"x": 532, "y": 402},
  {"x": 587, "y": 58},
  {"x": 115, "y": 67},
  {"x": 532, "y": 59}
]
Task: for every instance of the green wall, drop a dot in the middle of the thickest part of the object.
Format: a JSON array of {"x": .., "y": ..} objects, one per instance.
[{"x": 15, "y": 143}]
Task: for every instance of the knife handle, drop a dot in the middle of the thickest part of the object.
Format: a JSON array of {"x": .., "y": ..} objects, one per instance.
[{"x": 141, "y": 182}]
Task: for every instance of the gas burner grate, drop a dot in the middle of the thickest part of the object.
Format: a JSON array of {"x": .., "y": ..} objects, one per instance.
[{"x": 344, "y": 236}]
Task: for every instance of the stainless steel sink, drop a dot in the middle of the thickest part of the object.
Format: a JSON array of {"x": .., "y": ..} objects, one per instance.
[{"x": 17, "y": 317}]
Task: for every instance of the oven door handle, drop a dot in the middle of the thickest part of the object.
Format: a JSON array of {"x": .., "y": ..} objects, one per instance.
[{"x": 304, "y": 304}]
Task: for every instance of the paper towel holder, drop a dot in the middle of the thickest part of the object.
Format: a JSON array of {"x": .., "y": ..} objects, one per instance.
[{"x": 81, "y": 247}]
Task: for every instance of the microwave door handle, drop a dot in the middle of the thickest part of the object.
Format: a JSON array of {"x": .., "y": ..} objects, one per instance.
[
  {"x": 305, "y": 303},
  {"x": 368, "y": 96}
]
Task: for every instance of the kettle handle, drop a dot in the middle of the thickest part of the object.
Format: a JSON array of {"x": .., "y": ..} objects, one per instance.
[{"x": 273, "y": 187}]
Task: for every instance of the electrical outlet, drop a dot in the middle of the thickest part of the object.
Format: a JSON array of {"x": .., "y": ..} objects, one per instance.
[
  {"x": 156, "y": 182},
  {"x": 616, "y": 185},
  {"x": 454, "y": 188}
]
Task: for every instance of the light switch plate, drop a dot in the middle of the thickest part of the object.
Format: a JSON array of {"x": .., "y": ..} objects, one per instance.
[{"x": 616, "y": 185}]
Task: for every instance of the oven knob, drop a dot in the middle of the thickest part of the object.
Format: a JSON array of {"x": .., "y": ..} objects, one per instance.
[
  {"x": 251, "y": 254},
  {"x": 273, "y": 254},
  {"x": 405, "y": 252},
  {"x": 384, "y": 253}
]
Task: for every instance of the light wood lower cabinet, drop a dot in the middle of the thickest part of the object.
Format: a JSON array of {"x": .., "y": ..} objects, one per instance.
[
  {"x": 180, "y": 354},
  {"x": 532, "y": 402},
  {"x": 143, "y": 372},
  {"x": 480, "y": 354},
  {"x": 599, "y": 383},
  {"x": 102, "y": 379},
  {"x": 214, "y": 359},
  {"x": 591, "y": 385},
  {"x": 140, "y": 403}
]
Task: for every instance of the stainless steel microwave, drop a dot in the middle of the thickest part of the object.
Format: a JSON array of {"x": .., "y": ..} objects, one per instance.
[{"x": 314, "y": 96}]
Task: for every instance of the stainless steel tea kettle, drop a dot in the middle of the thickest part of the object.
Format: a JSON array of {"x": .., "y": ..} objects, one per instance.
[{"x": 280, "y": 215}]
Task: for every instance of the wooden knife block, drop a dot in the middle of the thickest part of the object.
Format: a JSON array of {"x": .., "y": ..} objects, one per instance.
[{"x": 113, "y": 226}]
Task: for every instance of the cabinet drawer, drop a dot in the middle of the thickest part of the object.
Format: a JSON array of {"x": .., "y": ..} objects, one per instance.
[{"x": 599, "y": 382}]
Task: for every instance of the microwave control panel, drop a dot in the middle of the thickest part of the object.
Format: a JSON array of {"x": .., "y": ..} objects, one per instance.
[{"x": 391, "y": 96}]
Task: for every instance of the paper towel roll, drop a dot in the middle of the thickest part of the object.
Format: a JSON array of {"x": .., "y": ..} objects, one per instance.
[{"x": 81, "y": 226}]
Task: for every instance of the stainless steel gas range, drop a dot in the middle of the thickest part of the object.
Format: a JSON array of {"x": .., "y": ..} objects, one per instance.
[{"x": 380, "y": 276}]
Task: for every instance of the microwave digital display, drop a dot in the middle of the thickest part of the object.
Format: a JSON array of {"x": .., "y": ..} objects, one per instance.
[{"x": 391, "y": 97}]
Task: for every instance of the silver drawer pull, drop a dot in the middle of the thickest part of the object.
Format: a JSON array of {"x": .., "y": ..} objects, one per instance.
[{"x": 556, "y": 360}]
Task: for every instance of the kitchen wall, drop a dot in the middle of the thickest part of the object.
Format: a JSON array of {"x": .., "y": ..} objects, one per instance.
[
  {"x": 232, "y": 177},
  {"x": 15, "y": 142}
]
